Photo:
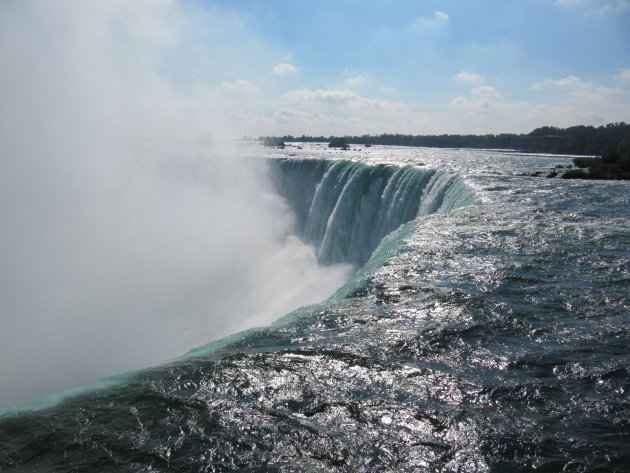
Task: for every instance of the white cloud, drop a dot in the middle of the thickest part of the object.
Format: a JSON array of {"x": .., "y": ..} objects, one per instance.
[
  {"x": 329, "y": 112},
  {"x": 469, "y": 77},
  {"x": 289, "y": 115},
  {"x": 460, "y": 101},
  {"x": 583, "y": 94},
  {"x": 485, "y": 91},
  {"x": 624, "y": 75},
  {"x": 580, "y": 91},
  {"x": 320, "y": 95},
  {"x": 569, "y": 82},
  {"x": 241, "y": 86},
  {"x": 437, "y": 21},
  {"x": 482, "y": 95},
  {"x": 355, "y": 81},
  {"x": 575, "y": 101},
  {"x": 479, "y": 104},
  {"x": 284, "y": 68},
  {"x": 344, "y": 97},
  {"x": 315, "y": 123}
]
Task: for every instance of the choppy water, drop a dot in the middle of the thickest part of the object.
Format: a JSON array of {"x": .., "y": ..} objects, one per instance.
[{"x": 490, "y": 337}]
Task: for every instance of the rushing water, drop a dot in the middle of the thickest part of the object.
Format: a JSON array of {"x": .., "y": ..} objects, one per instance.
[{"x": 490, "y": 333}]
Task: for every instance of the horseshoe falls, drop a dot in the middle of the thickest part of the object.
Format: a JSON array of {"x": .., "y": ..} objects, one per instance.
[
  {"x": 346, "y": 208},
  {"x": 479, "y": 323}
]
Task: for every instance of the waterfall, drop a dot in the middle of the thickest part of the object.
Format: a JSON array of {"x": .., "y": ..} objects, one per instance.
[{"x": 345, "y": 208}]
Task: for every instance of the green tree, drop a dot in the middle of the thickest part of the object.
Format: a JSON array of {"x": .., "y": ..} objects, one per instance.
[{"x": 338, "y": 142}]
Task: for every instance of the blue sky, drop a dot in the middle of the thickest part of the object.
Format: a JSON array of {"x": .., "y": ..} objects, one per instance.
[
  {"x": 473, "y": 66},
  {"x": 332, "y": 67}
]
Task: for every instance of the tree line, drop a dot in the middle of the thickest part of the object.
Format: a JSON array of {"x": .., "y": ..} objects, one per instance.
[
  {"x": 611, "y": 165},
  {"x": 586, "y": 140}
]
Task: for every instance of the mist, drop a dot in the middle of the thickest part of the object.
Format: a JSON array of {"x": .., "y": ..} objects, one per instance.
[{"x": 131, "y": 230}]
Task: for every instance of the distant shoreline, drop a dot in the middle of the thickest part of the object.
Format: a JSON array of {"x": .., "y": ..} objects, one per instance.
[
  {"x": 577, "y": 141},
  {"x": 612, "y": 164}
]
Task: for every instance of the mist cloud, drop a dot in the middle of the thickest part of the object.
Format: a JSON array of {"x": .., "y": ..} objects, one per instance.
[{"x": 130, "y": 232}]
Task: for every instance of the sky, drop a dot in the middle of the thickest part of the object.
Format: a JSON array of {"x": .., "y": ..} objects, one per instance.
[
  {"x": 323, "y": 67},
  {"x": 422, "y": 66}
]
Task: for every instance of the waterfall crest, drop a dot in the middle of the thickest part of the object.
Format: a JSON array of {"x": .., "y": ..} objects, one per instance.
[{"x": 345, "y": 208}]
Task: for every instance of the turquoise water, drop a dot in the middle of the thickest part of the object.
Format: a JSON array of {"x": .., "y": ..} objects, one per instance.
[{"x": 488, "y": 333}]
